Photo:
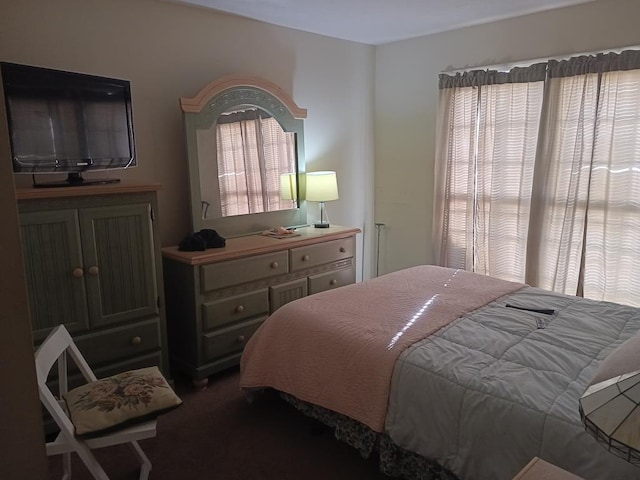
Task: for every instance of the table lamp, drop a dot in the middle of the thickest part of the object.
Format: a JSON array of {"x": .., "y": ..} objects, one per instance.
[
  {"x": 610, "y": 411},
  {"x": 322, "y": 187}
]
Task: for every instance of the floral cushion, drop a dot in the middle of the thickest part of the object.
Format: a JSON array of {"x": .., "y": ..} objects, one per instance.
[{"x": 132, "y": 396}]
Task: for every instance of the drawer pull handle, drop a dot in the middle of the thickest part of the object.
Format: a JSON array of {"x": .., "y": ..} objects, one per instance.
[
  {"x": 240, "y": 308},
  {"x": 136, "y": 340},
  {"x": 241, "y": 339},
  {"x": 305, "y": 258},
  {"x": 342, "y": 249},
  {"x": 93, "y": 270},
  {"x": 274, "y": 265},
  {"x": 78, "y": 272},
  {"x": 333, "y": 281}
]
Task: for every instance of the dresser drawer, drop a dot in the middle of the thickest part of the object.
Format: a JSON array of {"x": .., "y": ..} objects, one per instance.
[
  {"x": 118, "y": 343},
  {"x": 243, "y": 270},
  {"x": 234, "y": 309},
  {"x": 319, "y": 254},
  {"x": 333, "y": 279},
  {"x": 229, "y": 340}
]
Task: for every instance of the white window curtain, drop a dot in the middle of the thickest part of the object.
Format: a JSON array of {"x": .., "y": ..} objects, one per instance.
[
  {"x": 487, "y": 134},
  {"x": 252, "y": 148},
  {"x": 568, "y": 218}
]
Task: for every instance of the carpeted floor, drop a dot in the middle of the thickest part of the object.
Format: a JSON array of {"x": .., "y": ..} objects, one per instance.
[{"x": 216, "y": 434}]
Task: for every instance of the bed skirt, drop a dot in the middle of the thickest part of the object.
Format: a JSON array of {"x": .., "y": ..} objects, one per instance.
[{"x": 394, "y": 461}]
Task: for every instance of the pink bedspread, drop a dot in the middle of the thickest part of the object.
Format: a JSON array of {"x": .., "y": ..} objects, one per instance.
[{"x": 337, "y": 349}]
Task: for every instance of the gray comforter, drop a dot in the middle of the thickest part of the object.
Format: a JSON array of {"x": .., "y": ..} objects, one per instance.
[{"x": 501, "y": 385}]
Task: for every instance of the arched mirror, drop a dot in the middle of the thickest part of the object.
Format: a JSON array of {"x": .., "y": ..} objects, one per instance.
[{"x": 245, "y": 147}]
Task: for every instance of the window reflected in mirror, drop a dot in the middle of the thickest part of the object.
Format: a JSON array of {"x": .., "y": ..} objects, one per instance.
[
  {"x": 253, "y": 156},
  {"x": 245, "y": 148}
]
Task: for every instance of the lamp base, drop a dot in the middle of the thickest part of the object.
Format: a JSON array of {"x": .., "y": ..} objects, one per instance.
[{"x": 321, "y": 225}]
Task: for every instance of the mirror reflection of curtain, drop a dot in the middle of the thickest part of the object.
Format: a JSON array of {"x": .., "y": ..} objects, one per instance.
[
  {"x": 43, "y": 121},
  {"x": 253, "y": 151}
]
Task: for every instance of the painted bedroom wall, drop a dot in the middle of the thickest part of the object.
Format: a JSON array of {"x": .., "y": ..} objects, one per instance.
[
  {"x": 406, "y": 103},
  {"x": 169, "y": 50},
  {"x": 22, "y": 451}
]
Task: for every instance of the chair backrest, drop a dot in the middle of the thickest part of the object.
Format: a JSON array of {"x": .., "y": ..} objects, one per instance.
[{"x": 54, "y": 349}]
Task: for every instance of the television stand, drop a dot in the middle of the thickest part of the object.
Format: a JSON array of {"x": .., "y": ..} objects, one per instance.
[{"x": 74, "y": 180}]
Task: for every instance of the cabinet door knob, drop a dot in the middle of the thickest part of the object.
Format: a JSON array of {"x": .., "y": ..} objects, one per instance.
[
  {"x": 78, "y": 272},
  {"x": 136, "y": 340},
  {"x": 305, "y": 258},
  {"x": 274, "y": 265},
  {"x": 241, "y": 339},
  {"x": 342, "y": 249},
  {"x": 240, "y": 308},
  {"x": 333, "y": 281},
  {"x": 93, "y": 270}
]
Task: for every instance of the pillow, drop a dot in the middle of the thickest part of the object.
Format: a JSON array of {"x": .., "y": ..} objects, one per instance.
[
  {"x": 111, "y": 402},
  {"x": 624, "y": 359}
]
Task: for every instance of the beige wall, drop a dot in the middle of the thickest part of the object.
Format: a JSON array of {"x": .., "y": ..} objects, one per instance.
[
  {"x": 407, "y": 95},
  {"x": 169, "y": 50},
  {"x": 22, "y": 453}
]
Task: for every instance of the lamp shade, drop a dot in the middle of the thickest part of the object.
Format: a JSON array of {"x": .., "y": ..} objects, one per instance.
[
  {"x": 288, "y": 186},
  {"x": 610, "y": 411},
  {"x": 322, "y": 186}
]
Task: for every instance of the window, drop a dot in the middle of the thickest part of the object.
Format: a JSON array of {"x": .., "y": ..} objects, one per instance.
[{"x": 538, "y": 176}]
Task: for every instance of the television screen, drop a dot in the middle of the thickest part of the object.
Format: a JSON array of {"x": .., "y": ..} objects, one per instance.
[{"x": 64, "y": 122}]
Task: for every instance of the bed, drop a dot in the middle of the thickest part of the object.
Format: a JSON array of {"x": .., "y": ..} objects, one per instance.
[{"x": 446, "y": 373}]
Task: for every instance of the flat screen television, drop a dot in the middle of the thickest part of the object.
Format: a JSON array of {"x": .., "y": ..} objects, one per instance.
[{"x": 66, "y": 122}]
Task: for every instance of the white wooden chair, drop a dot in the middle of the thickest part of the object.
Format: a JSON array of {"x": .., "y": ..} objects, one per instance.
[{"x": 55, "y": 348}]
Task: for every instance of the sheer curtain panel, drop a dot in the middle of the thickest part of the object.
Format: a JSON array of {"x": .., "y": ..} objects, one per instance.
[
  {"x": 544, "y": 185},
  {"x": 487, "y": 134}
]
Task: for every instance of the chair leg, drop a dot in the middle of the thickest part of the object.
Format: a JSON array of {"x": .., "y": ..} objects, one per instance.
[
  {"x": 66, "y": 466},
  {"x": 91, "y": 463},
  {"x": 145, "y": 464}
]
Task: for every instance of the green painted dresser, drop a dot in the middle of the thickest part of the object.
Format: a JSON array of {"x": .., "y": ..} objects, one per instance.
[
  {"x": 218, "y": 298},
  {"x": 92, "y": 261}
]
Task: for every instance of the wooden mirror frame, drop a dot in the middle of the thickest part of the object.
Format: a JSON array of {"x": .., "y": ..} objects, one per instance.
[{"x": 203, "y": 110}]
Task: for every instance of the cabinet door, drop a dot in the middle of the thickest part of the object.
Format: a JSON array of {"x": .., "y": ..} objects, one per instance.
[
  {"x": 118, "y": 250},
  {"x": 287, "y": 292},
  {"x": 54, "y": 268}
]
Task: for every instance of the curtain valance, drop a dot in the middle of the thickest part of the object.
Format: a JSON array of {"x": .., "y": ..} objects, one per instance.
[{"x": 580, "y": 65}]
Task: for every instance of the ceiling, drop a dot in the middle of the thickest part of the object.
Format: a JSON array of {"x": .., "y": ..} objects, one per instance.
[{"x": 377, "y": 22}]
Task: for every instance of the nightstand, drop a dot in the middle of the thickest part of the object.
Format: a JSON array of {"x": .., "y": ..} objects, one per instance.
[{"x": 538, "y": 469}]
